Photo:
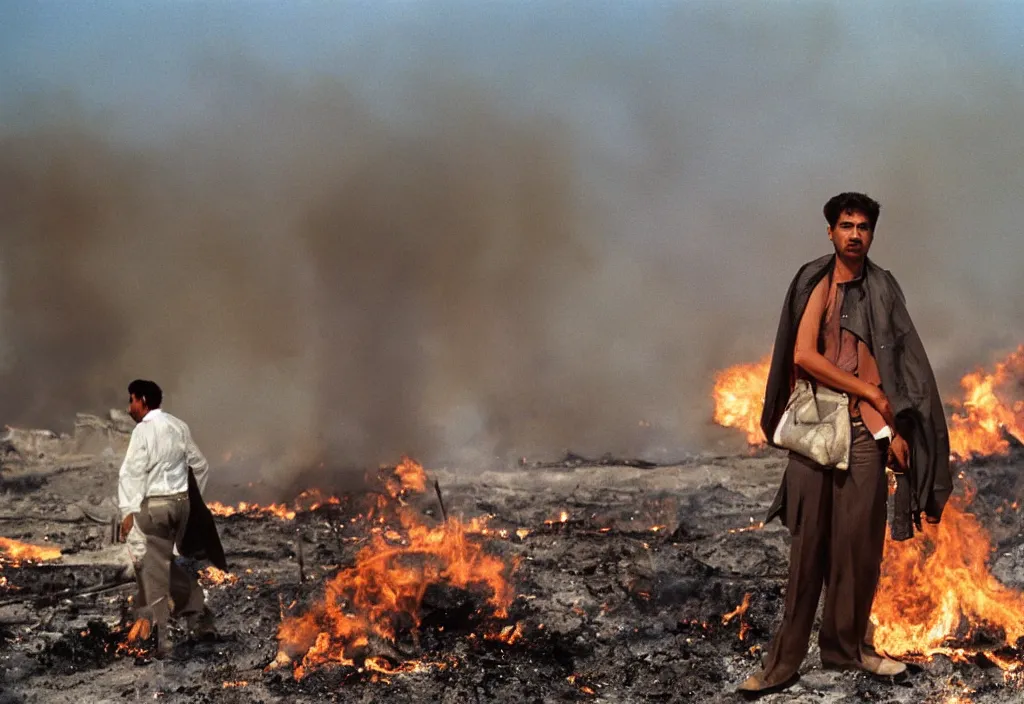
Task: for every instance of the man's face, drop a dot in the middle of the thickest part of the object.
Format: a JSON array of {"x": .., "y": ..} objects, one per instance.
[
  {"x": 136, "y": 408},
  {"x": 852, "y": 235}
]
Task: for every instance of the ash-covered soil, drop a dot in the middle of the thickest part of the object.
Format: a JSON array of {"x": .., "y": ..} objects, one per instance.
[{"x": 622, "y": 585}]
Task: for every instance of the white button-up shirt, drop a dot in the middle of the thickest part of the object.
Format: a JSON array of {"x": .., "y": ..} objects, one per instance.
[{"x": 159, "y": 454}]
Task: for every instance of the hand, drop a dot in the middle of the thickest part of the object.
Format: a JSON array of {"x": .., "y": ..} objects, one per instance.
[
  {"x": 880, "y": 401},
  {"x": 899, "y": 454},
  {"x": 126, "y": 526}
]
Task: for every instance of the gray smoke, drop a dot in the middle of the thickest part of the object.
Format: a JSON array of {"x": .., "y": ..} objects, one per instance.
[{"x": 472, "y": 270}]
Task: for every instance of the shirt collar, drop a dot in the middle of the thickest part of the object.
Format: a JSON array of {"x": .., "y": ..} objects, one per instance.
[{"x": 152, "y": 413}]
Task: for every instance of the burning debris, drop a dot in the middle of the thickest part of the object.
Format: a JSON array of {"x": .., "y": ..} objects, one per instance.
[
  {"x": 980, "y": 423},
  {"x": 211, "y": 577},
  {"x": 579, "y": 681},
  {"x": 738, "y": 614},
  {"x": 631, "y": 583},
  {"x": 309, "y": 500},
  {"x": 16, "y": 554},
  {"x": 380, "y": 598},
  {"x": 252, "y": 510},
  {"x": 739, "y": 398},
  {"x": 758, "y": 525},
  {"x": 937, "y": 595}
]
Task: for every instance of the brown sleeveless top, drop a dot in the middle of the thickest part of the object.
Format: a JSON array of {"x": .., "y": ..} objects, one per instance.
[{"x": 848, "y": 352}]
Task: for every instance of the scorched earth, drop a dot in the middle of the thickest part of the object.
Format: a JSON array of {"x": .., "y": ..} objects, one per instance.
[{"x": 580, "y": 580}]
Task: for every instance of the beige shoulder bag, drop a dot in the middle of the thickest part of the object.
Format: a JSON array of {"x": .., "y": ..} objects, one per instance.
[{"x": 816, "y": 424}]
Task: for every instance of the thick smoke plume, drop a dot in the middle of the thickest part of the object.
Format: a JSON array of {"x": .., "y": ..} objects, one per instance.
[
  {"x": 312, "y": 282},
  {"x": 472, "y": 273}
]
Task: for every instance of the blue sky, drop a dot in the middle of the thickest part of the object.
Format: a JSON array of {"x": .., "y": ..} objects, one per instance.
[{"x": 133, "y": 56}]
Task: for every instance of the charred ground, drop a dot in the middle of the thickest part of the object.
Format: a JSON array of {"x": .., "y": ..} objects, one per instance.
[{"x": 623, "y": 587}]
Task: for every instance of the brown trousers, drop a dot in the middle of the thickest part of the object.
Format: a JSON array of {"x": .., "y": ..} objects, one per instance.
[
  {"x": 166, "y": 589},
  {"x": 837, "y": 522}
]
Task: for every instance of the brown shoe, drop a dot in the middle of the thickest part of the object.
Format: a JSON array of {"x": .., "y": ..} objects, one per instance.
[
  {"x": 880, "y": 666},
  {"x": 756, "y": 686},
  {"x": 754, "y": 683}
]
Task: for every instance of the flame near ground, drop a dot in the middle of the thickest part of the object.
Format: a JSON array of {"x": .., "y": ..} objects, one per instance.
[
  {"x": 382, "y": 592},
  {"x": 739, "y": 398},
  {"x": 981, "y": 421},
  {"x": 936, "y": 592},
  {"x": 14, "y": 553}
]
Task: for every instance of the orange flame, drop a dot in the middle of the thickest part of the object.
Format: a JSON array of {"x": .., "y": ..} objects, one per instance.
[
  {"x": 936, "y": 591},
  {"x": 140, "y": 630},
  {"x": 746, "y": 529},
  {"x": 978, "y": 424},
  {"x": 15, "y": 554},
  {"x": 739, "y": 612},
  {"x": 244, "y": 508},
  {"x": 480, "y": 525},
  {"x": 563, "y": 517},
  {"x": 309, "y": 500},
  {"x": 213, "y": 576},
  {"x": 385, "y": 587},
  {"x": 739, "y": 398},
  {"x": 509, "y": 635},
  {"x": 574, "y": 680},
  {"x": 312, "y": 499},
  {"x": 132, "y": 644},
  {"x": 411, "y": 477}
]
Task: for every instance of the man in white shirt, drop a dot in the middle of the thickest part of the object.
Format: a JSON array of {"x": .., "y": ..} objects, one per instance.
[{"x": 154, "y": 502}]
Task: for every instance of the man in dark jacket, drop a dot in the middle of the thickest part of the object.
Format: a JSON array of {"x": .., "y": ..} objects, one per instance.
[{"x": 845, "y": 325}]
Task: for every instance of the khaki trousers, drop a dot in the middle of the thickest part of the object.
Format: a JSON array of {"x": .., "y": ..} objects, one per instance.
[
  {"x": 837, "y": 522},
  {"x": 166, "y": 589}
]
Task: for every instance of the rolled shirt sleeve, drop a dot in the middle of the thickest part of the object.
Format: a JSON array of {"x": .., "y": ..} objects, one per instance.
[{"x": 131, "y": 480}]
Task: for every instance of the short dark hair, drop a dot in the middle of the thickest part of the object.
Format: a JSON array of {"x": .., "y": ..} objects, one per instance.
[
  {"x": 147, "y": 391},
  {"x": 852, "y": 203}
]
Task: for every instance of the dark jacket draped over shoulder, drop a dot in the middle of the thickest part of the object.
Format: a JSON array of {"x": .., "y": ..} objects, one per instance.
[
  {"x": 875, "y": 310},
  {"x": 201, "y": 540}
]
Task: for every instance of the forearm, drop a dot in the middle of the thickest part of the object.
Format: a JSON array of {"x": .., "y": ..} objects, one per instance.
[{"x": 815, "y": 364}]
